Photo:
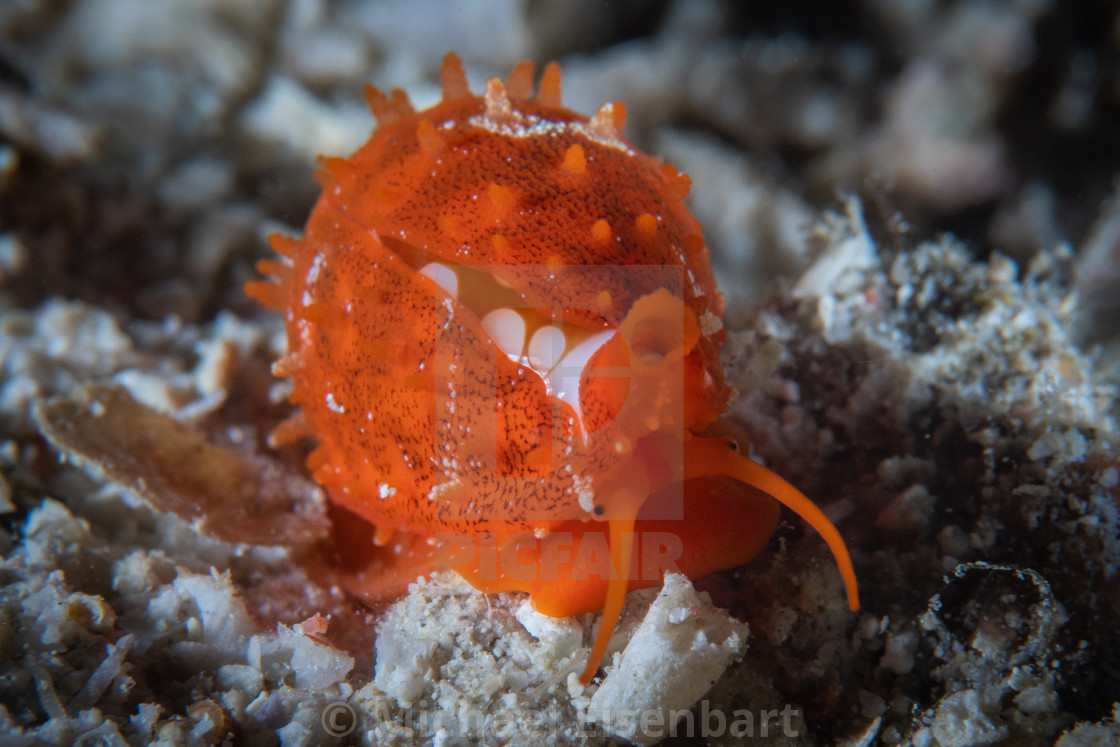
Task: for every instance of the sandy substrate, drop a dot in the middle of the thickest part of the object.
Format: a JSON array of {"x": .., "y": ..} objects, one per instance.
[{"x": 913, "y": 207}]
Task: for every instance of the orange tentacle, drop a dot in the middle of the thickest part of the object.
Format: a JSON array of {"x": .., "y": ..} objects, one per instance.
[
  {"x": 710, "y": 456},
  {"x": 622, "y": 546}
]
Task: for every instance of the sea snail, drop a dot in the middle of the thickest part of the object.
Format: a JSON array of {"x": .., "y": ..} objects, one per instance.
[{"x": 504, "y": 335}]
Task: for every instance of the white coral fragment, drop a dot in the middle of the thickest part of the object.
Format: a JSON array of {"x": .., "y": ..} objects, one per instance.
[{"x": 680, "y": 650}]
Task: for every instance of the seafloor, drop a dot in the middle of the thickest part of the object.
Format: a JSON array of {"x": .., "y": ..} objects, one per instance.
[{"x": 913, "y": 206}]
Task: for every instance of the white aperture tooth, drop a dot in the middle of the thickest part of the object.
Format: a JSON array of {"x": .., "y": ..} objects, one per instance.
[
  {"x": 506, "y": 328},
  {"x": 443, "y": 276},
  {"x": 564, "y": 381},
  {"x": 546, "y": 348}
]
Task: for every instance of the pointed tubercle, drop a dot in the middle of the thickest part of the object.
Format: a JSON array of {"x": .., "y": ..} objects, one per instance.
[
  {"x": 452, "y": 78},
  {"x": 285, "y": 246},
  {"x": 387, "y": 108},
  {"x": 609, "y": 120},
  {"x": 520, "y": 84},
  {"x": 549, "y": 93}
]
